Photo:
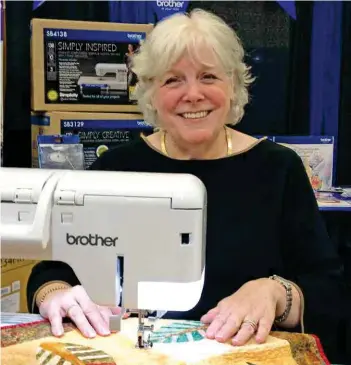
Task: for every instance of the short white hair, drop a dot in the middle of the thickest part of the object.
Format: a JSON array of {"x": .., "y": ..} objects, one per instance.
[{"x": 181, "y": 33}]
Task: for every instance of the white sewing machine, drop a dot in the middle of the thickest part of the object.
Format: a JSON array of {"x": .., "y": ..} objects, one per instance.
[
  {"x": 155, "y": 222},
  {"x": 117, "y": 82}
]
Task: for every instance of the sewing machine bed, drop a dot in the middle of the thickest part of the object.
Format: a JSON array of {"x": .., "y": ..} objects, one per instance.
[{"x": 176, "y": 343}]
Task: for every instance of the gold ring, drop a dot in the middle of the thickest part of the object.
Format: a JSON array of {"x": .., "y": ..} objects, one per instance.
[{"x": 252, "y": 324}]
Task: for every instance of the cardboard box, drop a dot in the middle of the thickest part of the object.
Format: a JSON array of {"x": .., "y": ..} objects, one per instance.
[
  {"x": 317, "y": 155},
  {"x": 84, "y": 66},
  {"x": 97, "y": 131},
  {"x": 14, "y": 277}
]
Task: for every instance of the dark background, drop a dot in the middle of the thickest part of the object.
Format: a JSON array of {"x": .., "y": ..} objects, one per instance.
[
  {"x": 344, "y": 151},
  {"x": 278, "y": 49}
]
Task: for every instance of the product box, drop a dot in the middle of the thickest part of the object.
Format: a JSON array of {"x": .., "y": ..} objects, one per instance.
[
  {"x": 84, "y": 66},
  {"x": 63, "y": 152},
  {"x": 333, "y": 201},
  {"x": 14, "y": 277},
  {"x": 317, "y": 154},
  {"x": 97, "y": 132}
]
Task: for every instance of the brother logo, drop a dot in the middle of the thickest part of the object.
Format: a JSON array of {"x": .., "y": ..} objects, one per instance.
[
  {"x": 169, "y": 4},
  {"x": 92, "y": 240},
  {"x": 134, "y": 36}
]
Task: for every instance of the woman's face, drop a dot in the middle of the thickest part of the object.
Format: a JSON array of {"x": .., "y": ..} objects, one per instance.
[{"x": 192, "y": 101}]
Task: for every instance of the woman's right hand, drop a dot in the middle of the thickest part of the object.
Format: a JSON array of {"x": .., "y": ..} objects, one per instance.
[{"x": 74, "y": 303}]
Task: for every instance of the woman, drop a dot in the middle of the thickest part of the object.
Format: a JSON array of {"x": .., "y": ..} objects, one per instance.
[{"x": 263, "y": 219}]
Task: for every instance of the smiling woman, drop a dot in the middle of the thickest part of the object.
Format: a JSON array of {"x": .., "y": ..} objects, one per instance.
[
  {"x": 208, "y": 43},
  {"x": 194, "y": 97},
  {"x": 267, "y": 250}
]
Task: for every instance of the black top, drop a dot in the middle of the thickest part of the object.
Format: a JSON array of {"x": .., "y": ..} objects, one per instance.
[{"x": 263, "y": 219}]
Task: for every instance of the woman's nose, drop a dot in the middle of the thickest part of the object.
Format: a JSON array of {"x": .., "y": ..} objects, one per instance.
[{"x": 193, "y": 92}]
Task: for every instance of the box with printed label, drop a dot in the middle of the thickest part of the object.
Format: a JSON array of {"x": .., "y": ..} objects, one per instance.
[
  {"x": 84, "y": 66},
  {"x": 98, "y": 132},
  {"x": 14, "y": 277},
  {"x": 317, "y": 155}
]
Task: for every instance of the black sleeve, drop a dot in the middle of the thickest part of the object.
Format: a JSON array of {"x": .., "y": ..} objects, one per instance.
[
  {"x": 312, "y": 261},
  {"x": 43, "y": 272},
  {"x": 46, "y": 271}
]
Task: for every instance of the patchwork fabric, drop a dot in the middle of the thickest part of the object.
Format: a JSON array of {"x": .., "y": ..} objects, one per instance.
[
  {"x": 33, "y": 344},
  {"x": 14, "y": 335},
  {"x": 306, "y": 349},
  {"x": 56, "y": 353},
  {"x": 179, "y": 332}
]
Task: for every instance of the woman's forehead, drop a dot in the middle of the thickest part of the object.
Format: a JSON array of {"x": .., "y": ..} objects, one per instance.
[{"x": 199, "y": 61}]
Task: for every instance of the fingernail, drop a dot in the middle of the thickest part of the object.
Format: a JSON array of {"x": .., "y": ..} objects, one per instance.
[
  {"x": 235, "y": 341},
  {"x": 104, "y": 331},
  {"x": 91, "y": 333},
  {"x": 219, "y": 337}
]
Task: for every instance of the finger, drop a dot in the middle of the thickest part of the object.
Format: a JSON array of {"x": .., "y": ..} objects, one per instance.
[
  {"x": 264, "y": 328},
  {"x": 105, "y": 313},
  {"x": 96, "y": 319},
  {"x": 229, "y": 329},
  {"x": 216, "y": 325},
  {"x": 75, "y": 312},
  {"x": 91, "y": 311},
  {"x": 117, "y": 311},
  {"x": 244, "y": 334},
  {"x": 55, "y": 318},
  {"x": 210, "y": 315}
]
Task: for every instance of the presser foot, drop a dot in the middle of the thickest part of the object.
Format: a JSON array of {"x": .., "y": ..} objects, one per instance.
[
  {"x": 143, "y": 340},
  {"x": 142, "y": 344}
]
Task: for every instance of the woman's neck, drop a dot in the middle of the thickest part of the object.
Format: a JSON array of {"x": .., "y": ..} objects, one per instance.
[{"x": 216, "y": 148}]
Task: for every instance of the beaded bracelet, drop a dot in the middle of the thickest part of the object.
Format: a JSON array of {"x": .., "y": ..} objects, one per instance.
[{"x": 289, "y": 298}]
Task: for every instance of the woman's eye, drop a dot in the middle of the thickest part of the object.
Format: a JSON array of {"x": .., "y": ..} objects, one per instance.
[
  {"x": 209, "y": 77},
  {"x": 171, "y": 80}
]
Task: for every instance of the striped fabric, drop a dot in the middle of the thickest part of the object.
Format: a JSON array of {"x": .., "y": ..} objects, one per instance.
[
  {"x": 56, "y": 353},
  {"x": 179, "y": 332}
]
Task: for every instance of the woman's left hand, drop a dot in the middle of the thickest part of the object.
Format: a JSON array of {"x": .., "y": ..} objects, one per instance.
[{"x": 248, "y": 312}]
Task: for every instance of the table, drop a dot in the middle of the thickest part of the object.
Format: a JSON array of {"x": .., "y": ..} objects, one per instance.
[{"x": 20, "y": 318}]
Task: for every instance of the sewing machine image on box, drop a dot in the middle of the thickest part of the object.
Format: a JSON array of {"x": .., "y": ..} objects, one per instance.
[
  {"x": 91, "y": 220},
  {"x": 111, "y": 78}
]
